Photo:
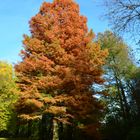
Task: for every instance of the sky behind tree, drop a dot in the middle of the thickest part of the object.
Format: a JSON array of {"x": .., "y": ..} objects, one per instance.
[{"x": 15, "y": 15}]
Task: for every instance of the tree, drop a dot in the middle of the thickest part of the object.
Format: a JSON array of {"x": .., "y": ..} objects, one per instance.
[
  {"x": 124, "y": 16},
  {"x": 119, "y": 73},
  {"x": 133, "y": 84},
  {"x": 8, "y": 96},
  {"x": 60, "y": 64}
]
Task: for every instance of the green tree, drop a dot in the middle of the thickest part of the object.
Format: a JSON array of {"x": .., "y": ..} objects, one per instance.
[
  {"x": 118, "y": 66},
  {"x": 8, "y": 96},
  {"x": 118, "y": 71}
]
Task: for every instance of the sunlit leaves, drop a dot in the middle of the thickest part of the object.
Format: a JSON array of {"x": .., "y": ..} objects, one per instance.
[
  {"x": 8, "y": 94},
  {"x": 60, "y": 62}
]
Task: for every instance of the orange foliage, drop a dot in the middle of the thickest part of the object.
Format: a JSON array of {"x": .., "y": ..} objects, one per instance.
[
  {"x": 56, "y": 110},
  {"x": 60, "y": 60}
]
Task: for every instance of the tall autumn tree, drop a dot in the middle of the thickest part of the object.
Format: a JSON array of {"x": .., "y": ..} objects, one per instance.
[{"x": 60, "y": 62}]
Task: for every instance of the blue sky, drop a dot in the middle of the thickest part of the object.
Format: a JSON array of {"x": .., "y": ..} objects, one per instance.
[{"x": 15, "y": 15}]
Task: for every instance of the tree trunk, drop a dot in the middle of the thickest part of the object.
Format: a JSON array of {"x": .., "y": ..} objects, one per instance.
[
  {"x": 55, "y": 130},
  {"x": 46, "y": 131},
  {"x": 124, "y": 100},
  {"x": 17, "y": 128},
  {"x": 60, "y": 131},
  {"x": 29, "y": 129},
  {"x": 120, "y": 98},
  {"x": 69, "y": 132}
]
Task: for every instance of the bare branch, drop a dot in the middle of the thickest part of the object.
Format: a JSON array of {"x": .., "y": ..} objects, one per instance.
[{"x": 124, "y": 16}]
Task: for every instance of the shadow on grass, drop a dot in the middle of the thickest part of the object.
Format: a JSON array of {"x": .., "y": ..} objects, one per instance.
[{"x": 14, "y": 139}]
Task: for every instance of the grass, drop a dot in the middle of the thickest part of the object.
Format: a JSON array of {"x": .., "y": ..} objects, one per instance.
[{"x": 14, "y": 139}]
